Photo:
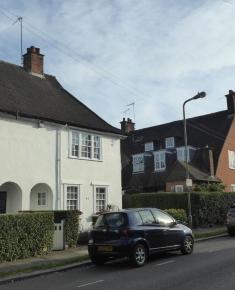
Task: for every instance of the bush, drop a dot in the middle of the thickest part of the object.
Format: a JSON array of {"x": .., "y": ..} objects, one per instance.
[
  {"x": 24, "y": 235},
  {"x": 207, "y": 208},
  {"x": 178, "y": 214},
  {"x": 72, "y": 227}
]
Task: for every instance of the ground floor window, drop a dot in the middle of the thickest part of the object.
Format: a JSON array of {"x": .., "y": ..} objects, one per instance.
[
  {"x": 233, "y": 187},
  {"x": 179, "y": 188},
  {"x": 42, "y": 198},
  {"x": 72, "y": 197},
  {"x": 101, "y": 198}
]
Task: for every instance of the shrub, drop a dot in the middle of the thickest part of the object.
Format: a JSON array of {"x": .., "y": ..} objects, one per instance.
[
  {"x": 72, "y": 227},
  {"x": 207, "y": 208},
  {"x": 25, "y": 234},
  {"x": 178, "y": 214}
]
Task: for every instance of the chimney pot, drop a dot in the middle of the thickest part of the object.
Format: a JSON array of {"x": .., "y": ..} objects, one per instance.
[
  {"x": 127, "y": 126},
  {"x": 231, "y": 102}
]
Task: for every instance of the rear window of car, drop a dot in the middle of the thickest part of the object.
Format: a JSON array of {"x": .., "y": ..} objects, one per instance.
[{"x": 111, "y": 220}]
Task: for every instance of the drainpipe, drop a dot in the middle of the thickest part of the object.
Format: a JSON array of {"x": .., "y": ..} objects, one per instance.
[{"x": 58, "y": 168}]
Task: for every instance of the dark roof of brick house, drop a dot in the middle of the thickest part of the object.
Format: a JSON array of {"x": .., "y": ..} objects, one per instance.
[
  {"x": 204, "y": 132},
  {"x": 30, "y": 96}
]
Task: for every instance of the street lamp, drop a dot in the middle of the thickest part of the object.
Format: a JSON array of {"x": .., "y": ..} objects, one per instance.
[{"x": 188, "y": 181}]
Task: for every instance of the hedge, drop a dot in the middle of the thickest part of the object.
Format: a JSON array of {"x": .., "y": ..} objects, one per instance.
[
  {"x": 178, "y": 214},
  {"x": 207, "y": 208},
  {"x": 26, "y": 234},
  {"x": 71, "y": 229}
]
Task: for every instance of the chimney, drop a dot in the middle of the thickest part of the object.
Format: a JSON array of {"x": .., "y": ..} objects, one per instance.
[
  {"x": 33, "y": 61},
  {"x": 211, "y": 163},
  {"x": 127, "y": 126},
  {"x": 231, "y": 102}
]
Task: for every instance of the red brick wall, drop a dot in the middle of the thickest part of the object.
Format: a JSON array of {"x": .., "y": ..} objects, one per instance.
[{"x": 223, "y": 171}]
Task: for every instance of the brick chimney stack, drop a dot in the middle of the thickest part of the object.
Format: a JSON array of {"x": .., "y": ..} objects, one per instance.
[
  {"x": 33, "y": 61},
  {"x": 231, "y": 102},
  {"x": 127, "y": 126}
]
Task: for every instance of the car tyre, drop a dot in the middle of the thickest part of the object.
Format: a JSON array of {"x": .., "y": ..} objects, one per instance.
[
  {"x": 187, "y": 245},
  {"x": 139, "y": 255},
  {"x": 231, "y": 233}
]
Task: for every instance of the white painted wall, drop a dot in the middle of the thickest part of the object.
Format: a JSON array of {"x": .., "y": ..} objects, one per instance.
[{"x": 28, "y": 156}]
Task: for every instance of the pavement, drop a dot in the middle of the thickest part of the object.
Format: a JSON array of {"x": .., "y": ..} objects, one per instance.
[{"x": 54, "y": 262}]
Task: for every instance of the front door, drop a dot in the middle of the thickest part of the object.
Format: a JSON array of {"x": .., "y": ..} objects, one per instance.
[{"x": 3, "y": 201}]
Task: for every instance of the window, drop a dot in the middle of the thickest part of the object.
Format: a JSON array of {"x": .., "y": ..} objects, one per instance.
[
  {"x": 85, "y": 146},
  {"x": 162, "y": 218},
  {"x": 42, "y": 201},
  {"x": 160, "y": 160},
  {"x": 148, "y": 146},
  {"x": 147, "y": 217},
  {"x": 181, "y": 154},
  {"x": 75, "y": 144},
  {"x": 179, "y": 188},
  {"x": 170, "y": 142},
  {"x": 72, "y": 198},
  {"x": 101, "y": 199},
  {"x": 231, "y": 158},
  {"x": 232, "y": 187},
  {"x": 138, "y": 163}
]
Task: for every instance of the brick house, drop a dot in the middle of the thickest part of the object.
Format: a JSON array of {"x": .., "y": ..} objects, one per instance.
[
  {"x": 153, "y": 159},
  {"x": 55, "y": 153}
]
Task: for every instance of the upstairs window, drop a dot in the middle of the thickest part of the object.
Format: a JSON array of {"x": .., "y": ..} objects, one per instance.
[
  {"x": 231, "y": 158},
  {"x": 138, "y": 163},
  {"x": 170, "y": 142},
  {"x": 160, "y": 160},
  {"x": 85, "y": 146},
  {"x": 148, "y": 146},
  {"x": 181, "y": 154}
]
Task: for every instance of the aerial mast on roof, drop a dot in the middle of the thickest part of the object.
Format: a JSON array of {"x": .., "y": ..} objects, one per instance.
[
  {"x": 20, "y": 20},
  {"x": 133, "y": 107}
]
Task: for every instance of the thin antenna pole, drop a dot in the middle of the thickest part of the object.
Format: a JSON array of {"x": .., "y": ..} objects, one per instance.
[
  {"x": 133, "y": 107},
  {"x": 20, "y": 19}
]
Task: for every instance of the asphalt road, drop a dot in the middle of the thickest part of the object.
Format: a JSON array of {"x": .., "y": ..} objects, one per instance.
[{"x": 211, "y": 266}]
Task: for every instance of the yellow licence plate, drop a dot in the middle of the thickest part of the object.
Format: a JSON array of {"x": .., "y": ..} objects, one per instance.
[{"x": 105, "y": 248}]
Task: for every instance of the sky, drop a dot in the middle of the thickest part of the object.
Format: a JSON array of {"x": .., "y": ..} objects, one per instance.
[{"x": 111, "y": 53}]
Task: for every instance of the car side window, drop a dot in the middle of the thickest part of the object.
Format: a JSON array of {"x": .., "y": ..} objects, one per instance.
[
  {"x": 162, "y": 218},
  {"x": 147, "y": 217},
  {"x": 135, "y": 219}
]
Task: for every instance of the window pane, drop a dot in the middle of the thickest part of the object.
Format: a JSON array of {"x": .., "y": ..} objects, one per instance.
[
  {"x": 147, "y": 216},
  {"x": 162, "y": 218}
]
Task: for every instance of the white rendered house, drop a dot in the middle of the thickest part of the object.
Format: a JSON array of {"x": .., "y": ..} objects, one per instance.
[{"x": 55, "y": 153}]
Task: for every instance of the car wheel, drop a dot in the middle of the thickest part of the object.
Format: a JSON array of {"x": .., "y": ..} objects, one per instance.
[
  {"x": 99, "y": 261},
  {"x": 139, "y": 255},
  {"x": 187, "y": 245}
]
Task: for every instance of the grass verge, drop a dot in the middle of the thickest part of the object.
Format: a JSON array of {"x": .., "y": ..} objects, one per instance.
[
  {"x": 45, "y": 266},
  {"x": 209, "y": 233}
]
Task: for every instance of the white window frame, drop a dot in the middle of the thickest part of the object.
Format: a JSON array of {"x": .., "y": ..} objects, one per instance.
[
  {"x": 182, "y": 150},
  {"x": 170, "y": 142},
  {"x": 231, "y": 159},
  {"x": 148, "y": 146},
  {"x": 95, "y": 197},
  {"x": 138, "y": 167},
  {"x": 78, "y": 204},
  {"x": 232, "y": 186},
  {"x": 80, "y": 146},
  {"x": 161, "y": 154},
  {"x": 179, "y": 188},
  {"x": 41, "y": 198}
]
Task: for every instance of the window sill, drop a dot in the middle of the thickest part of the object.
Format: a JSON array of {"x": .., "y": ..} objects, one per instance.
[
  {"x": 160, "y": 170},
  {"x": 86, "y": 159},
  {"x": 137, "y": 172}
]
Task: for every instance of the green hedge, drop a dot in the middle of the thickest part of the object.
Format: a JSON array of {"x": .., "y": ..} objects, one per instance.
[
  {"x": 178, "y": 214},
  {"x": 72, "y": 227},
  {"x": 207, "y": 208},
  {"x": 71, "y": 218},
  {"x": 24, "y": 235}
]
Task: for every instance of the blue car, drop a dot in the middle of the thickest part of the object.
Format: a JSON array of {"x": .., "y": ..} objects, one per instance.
[{"x": 136, "y": 234}]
